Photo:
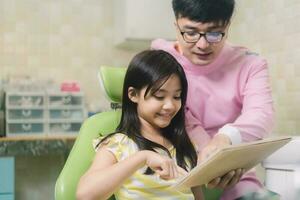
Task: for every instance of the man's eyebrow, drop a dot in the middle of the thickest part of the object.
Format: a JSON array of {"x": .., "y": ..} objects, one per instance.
[
  {"x": 208, "y": 28},
  {"x": 189, "y": 27},
  {"x": 215, "y": 27}
]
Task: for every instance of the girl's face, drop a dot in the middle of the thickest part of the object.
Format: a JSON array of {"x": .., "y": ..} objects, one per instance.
[{"x": 157, "y": 110}]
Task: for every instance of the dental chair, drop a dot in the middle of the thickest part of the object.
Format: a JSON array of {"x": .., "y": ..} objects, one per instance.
[{"x": 82, "y": 153}]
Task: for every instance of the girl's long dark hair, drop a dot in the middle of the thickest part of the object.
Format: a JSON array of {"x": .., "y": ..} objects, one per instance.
[{"x": 151, "y": 68}]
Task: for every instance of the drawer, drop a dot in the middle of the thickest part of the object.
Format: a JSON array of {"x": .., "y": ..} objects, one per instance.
[
  {"x": 25, "y": 114},
  {"x": 2, "y": 123},
  {"x": 66, "y": 100},
  {"x": 76, "y": 114},
  {"x": 7, "y": 174},
  {"x": 64, "y": 127},
  {"x": 7, "y": 196},
  {"x": 25, "y": 128},
  {"x": 25, "y": 100}
]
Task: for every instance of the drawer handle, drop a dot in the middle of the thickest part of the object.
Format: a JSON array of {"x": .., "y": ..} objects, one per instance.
[
  {"x": 26, "y": 127},
  {"x": 38, "y": 101},
  {"x": 26, "y": 113},
  {"x": 26, "y": 101},
  {"x": 65, "y": 113},
  {"x": 66, "y": 100},
  {"x": 66, "y": 127}
]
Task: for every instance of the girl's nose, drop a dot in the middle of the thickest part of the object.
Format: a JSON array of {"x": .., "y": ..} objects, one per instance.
[{"x": 169, "y": 105}]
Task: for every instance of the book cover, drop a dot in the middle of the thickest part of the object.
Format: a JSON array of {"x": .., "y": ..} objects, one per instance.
[{"x": 245, "y": 155}]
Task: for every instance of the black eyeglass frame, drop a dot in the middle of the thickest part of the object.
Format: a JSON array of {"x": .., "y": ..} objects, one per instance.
[{"x": 200, "y": 35}]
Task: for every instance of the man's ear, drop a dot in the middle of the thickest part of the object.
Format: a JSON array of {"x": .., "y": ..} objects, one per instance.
[
  {"x": 227, "y": 29},
  {"x": 133, "y": 94}
]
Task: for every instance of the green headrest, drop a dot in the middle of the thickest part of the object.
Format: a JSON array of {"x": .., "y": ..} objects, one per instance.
[{"x": 111, "y": 80}]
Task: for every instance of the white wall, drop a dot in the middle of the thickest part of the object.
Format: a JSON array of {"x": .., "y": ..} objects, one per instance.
[
  {"x": 272, "y": 28},
  {"x": 61, "y": 40}
]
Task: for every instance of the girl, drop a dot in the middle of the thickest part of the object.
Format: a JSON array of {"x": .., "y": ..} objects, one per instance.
[{"x": 150, "y": 147}]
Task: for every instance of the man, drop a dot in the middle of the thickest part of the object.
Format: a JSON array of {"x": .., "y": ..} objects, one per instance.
[{"x": 229, "y": 97}]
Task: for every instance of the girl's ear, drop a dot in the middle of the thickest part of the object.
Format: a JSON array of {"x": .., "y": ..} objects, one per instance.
[{"x": 133, "y": 94}]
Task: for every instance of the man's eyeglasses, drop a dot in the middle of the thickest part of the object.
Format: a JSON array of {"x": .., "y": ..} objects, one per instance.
[{"x": 193, "y": 36}]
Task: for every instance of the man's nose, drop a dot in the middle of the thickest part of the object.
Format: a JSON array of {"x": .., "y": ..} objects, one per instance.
[{"x": 202, "y": 43}]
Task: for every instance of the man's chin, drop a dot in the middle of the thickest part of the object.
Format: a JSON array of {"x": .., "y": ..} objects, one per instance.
[{"x": 201, "y": 63}]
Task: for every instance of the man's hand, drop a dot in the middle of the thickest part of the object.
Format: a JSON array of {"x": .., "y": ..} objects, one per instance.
[
  {"x": 229, "y": 179},
  {"x": 219, "y": 141}
]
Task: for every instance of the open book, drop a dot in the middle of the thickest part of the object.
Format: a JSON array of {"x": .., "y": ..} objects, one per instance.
[{"x": 245, "y": 155}]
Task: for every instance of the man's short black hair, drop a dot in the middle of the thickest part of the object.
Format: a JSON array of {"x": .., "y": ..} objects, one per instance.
[{"x": 216, "y": 11}]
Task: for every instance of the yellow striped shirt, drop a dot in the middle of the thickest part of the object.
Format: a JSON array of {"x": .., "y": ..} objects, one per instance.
[{"x": 141, "y": 186}]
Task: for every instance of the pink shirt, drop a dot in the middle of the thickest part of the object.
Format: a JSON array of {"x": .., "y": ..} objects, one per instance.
[{"x": 233, "y": 91}]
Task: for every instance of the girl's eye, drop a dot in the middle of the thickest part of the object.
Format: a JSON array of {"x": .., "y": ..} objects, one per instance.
[
  {"x": 159, "y": 97},
  {"x": 177, "y": 98}
]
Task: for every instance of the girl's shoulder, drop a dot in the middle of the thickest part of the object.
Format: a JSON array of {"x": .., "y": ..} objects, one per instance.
[
  {"x": 118, "y": 144},
  {"x": 118, "y": 139}
]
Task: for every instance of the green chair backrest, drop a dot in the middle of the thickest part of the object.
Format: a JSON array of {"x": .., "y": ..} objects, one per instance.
[
  {"x": 82, "y": 153},
  {"x": 111, "y": 80}
]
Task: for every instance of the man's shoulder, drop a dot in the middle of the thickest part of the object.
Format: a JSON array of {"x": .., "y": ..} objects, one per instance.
[
  {"x": 243, "y": 51},
  {"x": 163, "y": 44},
  {"x": 170, "y": 47},
  {"x": 244, "y": 60},
  {"x": 243, "y": 54},
  {"x": 251, "y": 53}
]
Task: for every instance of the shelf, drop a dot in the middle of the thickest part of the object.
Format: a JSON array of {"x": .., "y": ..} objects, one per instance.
[
  {"x": 36, "y": 145},
  {"x": 41, "y": 137}
]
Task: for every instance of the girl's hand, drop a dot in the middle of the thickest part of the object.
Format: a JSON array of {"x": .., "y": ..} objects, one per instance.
[{"x": 164, "y": 166}]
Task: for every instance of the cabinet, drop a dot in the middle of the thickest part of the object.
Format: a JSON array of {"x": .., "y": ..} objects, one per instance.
[
  {"x": 25, "y": 113},
  {"x": 7, "y": 180},
  {"x": 39, "y": 113},
  {"x": 66, "y": 112},
  {"x": 137, "y": 22}
]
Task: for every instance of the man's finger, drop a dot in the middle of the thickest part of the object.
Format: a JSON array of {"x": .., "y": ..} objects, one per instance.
[
  {"x": 214, "y": 183},
  {"x": 226, "y": 179},
  {"x": 236, "y": 178}
]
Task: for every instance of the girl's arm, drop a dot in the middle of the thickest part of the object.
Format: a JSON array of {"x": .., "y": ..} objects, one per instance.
[
  {"x": 198, "y": 194},
  {"x": 106, "y": 174}
]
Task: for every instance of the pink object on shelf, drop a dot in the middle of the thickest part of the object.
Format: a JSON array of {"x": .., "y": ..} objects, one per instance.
[{"x": 70, "y": 86}]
